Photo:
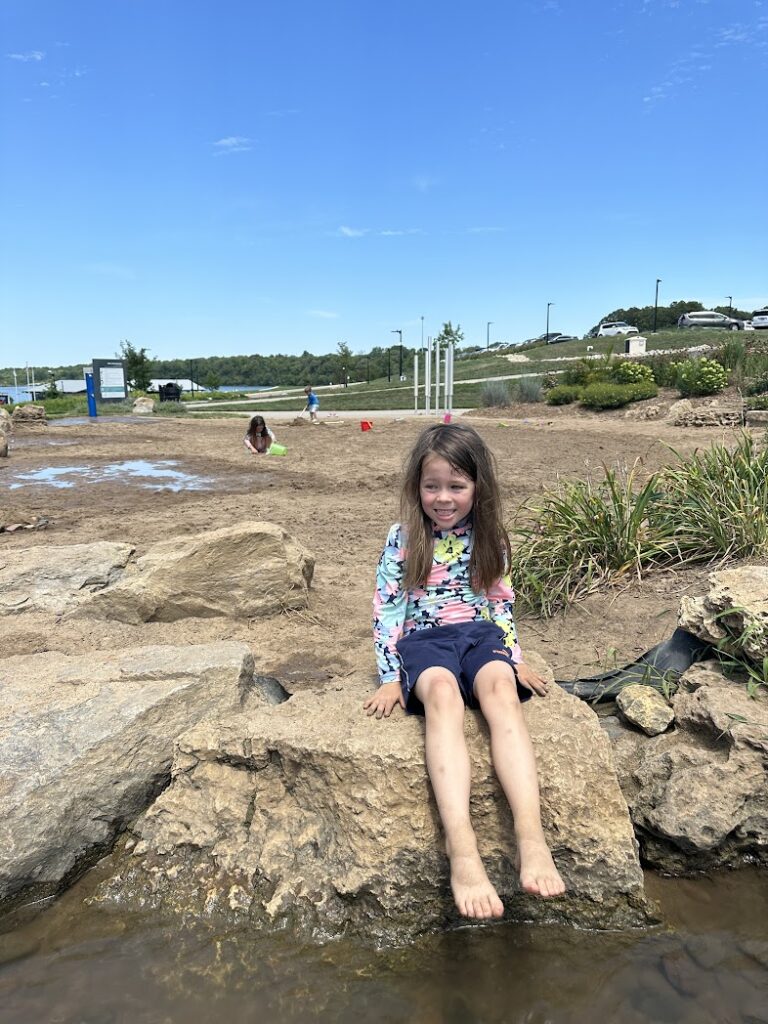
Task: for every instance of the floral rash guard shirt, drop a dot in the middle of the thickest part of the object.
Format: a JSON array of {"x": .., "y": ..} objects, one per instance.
[{"x": 447, "y": 598}]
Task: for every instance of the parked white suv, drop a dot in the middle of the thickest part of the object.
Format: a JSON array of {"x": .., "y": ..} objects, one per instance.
[
  {"x": 709, "y": 318},
  {"x": 614, "y": 327},
  {"x": 760, "y": 319}
]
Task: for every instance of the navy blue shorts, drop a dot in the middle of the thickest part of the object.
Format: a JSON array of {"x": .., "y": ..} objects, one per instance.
[{"x": 462, "y": 649}]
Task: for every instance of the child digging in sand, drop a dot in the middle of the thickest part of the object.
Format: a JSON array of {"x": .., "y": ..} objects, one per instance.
[{"x": 445, "y": 638}]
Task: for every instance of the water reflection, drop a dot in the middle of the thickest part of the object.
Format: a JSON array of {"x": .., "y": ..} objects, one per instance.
[{"x": 159, "y": 474}]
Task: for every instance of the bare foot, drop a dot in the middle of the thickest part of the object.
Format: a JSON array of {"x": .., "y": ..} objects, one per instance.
[
  {"x": 538, "y": 874},
  {"x": 472, "y": 890}
]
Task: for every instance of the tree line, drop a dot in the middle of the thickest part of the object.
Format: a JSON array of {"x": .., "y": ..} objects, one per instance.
[{"x": 642, "y": 317}]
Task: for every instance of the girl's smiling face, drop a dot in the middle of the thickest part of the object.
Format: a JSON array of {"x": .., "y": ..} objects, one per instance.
[{"x": 446, "y": 494}]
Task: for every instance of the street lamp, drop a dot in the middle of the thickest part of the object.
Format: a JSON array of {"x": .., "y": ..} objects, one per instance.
[
  {"x": 656, "y": 304},
  {"x": 488, "y": 334},
  {"x": 730, "y": 304},
  {"x": 546, "y": 336},
  {"x": 401, "y": 348}
]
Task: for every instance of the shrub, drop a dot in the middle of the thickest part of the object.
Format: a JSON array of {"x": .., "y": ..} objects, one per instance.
[
  {"x": 701, "y": 377},
  {"x": 664, "y": 370},
  {"x": 732, "y": 354},
  {"x": 756, "y": 385},
  {"x": 528, "y": 389},
  {"x": 607, "y": 396},
  {"x": 495, "y": 393},
  {"x": 631, "y": 373},
  {"x": 643, "y": 390},
  {"x": 549, "y": 381},
  {"x": 563, "y": 394},
  {"x": 758, "y": 402}
]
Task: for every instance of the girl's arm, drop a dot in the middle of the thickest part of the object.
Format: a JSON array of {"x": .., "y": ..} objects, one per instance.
[
  {"x": 248, "y": 445},
  {"x": 501, "y": 603},
  {"x": 390, "y": 601}
]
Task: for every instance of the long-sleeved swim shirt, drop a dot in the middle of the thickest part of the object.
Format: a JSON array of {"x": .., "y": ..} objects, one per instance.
[{"x": 447, "y": 598}]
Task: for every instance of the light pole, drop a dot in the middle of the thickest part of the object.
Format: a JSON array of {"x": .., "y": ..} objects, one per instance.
[
  {"x": 730, "y": 304},
  {"x": 401, "y": 349},
  {"x": 422, "y": 334},
  {"x": 488, "y": 334},
  {"x": 656, "y": 304},
  {"x": 546, "y": 336}
]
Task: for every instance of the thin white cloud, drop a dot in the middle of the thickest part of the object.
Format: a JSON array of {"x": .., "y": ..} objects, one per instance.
[
  {"x": 232, "y": 144},
  {"x": 394, "y": 232},
  {"x": 347, "y": 232},
  {"x": 29, "y": 55},
  {"x": 323, "y": 314}
]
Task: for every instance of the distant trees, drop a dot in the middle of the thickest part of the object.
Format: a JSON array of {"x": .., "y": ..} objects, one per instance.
[
  {"x": 138, "y": 365},
  {"x": 666, "y": 316},
  {"x": 450, "y": 334}
]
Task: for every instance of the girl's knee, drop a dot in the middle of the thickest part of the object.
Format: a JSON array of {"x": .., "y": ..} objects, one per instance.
[
  {"x": 438, "y": 691},
  {"x": 497, "y": 689}
]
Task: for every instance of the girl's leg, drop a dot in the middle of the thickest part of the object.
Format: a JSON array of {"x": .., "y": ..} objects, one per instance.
[
  {"x": 449, "y": 773},
  {"x": 515, "y": 764}
]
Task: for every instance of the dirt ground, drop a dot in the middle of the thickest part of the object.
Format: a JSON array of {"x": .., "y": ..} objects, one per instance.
[{"x": 337, "y": 492}]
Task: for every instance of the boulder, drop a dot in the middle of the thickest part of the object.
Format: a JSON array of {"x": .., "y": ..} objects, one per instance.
[
  {"x": 6, "y": 424},
  {"x": 243, "y": 571},
  {"x": 313, "y": 817},
  {"x": 86, "y": 744},
  {"x": 29, "y": 414},
  {"x": 143, "y": 406},
  {"x": 646, "y": 708},
  {"x": 699, "y": 795},
  {"x": 679, "y": 410},
  {"x": 733, "y": 615},
  {"x": 55, "y": 579},
  {"x": 3, "y": 446}
]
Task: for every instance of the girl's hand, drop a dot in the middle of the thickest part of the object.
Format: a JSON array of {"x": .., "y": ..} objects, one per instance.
[
  {"x": 385, "y": 698},
  {"x": 530, "y": 680}
]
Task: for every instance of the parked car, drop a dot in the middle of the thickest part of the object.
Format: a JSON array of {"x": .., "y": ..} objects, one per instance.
[
  {"x": 562, "y": 337},
  {"x": 613, "y": 327},
  {"x": 760, "y": 319},
  {"x": 549, "y": 338},
  {"x": 709, "y": 318}
]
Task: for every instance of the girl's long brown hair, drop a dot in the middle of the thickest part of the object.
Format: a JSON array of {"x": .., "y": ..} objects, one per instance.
[{"x": 463, "y": 448}]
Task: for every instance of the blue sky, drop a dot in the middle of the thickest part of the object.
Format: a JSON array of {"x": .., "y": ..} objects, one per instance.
[{"x": 233, "y": 177}]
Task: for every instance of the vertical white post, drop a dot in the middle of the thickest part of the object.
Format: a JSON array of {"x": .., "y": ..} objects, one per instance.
[
  {"x": 437, "y": 376},
  {"x": 416, "y": 381},
  {"x": 449, "y": 397},
  {"x": 428, "y": 377}
]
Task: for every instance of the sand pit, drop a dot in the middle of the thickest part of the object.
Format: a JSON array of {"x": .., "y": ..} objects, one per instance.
[{"x": 337, "y": 493}]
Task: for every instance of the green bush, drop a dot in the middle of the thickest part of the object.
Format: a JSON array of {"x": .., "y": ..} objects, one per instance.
[
  {"x": 607, "y": 396},
  {"x": 701, "y": 377},
  {"x": 758, "y": 402},
  {"x": 643, "y": 390},
  {"x": 664, "y": 370},
  {"x": 549, "y": 381},
  {"x": 495, "y": 393},
  {"x": 563, "y": 394},
  {"x": 632, "y": 373}
]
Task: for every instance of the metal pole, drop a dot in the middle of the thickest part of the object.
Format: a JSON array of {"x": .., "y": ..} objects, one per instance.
[
  {"x": 449, "y": 402},
  {"x": 437, "y": 376},
  {"x": 428, "y": 377},
  {"x": 415, "y": 381},
  {"x": 422, "y": 334},
  {"x": 656, "y": 304},
  {"x": 546, "y": 336},
  {"x": 488, "y": 334},
  {"x": 730, "y": 304},
  {"x": 389, "y": 365}
]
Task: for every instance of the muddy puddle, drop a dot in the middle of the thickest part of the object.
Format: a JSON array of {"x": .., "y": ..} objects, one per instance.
[
  {"x": 707, "y": 965},
  {"x": 154, "y": 475}
]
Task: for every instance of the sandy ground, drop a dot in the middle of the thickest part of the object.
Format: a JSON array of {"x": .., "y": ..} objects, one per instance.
[{"x": 337, "y": 492}]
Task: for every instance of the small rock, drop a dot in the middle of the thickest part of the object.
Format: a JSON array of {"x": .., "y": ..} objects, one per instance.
[{"x": 645, "y": 708}]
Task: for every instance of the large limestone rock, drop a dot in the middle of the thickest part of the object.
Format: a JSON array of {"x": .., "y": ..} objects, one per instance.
[
  {"x": 86, "y": 744},
  {"x": 699, "y": 795},
  {"x": 3, "y": 445},
  {"x": 29, "y": 414},
  {"x": 143, "y": 406},
  {"x": 736, "y": 606},
  {"x": 55, "y": 579},
  {"x": 241, "y": 571},
  {"x": 5, "y": 422},
  {"x": 311, "y": 816}
]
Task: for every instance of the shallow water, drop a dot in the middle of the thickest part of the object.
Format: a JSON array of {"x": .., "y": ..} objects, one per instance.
[
  {"x": 709, "y": 963},
  {"x": 153, "y": 475}
]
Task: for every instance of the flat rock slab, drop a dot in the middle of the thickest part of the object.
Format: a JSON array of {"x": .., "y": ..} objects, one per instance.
[
  {"x": 733, "y": 615},
  {"x": 242, "y": 571},
  {"x": 311, "y": 816},
  {"x": 86, "y": 744},
  {"x": 56, "y": 579}
]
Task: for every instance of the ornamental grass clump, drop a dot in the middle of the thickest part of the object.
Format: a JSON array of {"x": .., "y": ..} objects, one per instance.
[
  {"x": 717, "y": 502},
  {"x": 495, "y": 393},
  {"x": 709, "y": 507},
  {"x": 585, "y": 535}
]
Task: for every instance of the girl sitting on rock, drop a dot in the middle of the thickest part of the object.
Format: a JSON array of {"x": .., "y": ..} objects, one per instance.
[
  {"x": 258, "y": 438},
  {"x": 445, "y": 639}
]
